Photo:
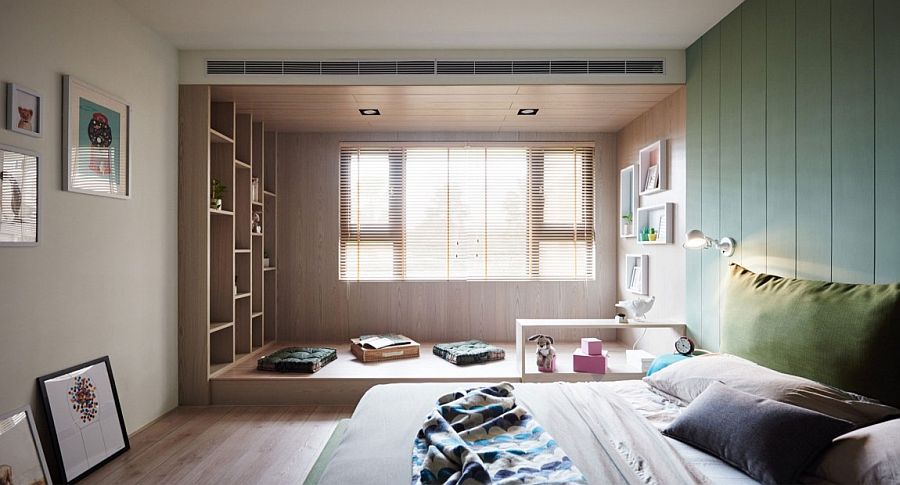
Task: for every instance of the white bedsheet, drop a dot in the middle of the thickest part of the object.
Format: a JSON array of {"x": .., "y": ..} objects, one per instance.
[{"x": 377, "y": 446}]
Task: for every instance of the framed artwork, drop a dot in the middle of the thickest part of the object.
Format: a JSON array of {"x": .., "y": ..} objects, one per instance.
[
  {"x": 23, "y": 110},
  {"x": 19, "y": 199},
  {"x": 84, "y": 417},
  {"x": 97, "y": 141},
  {"x": 652, "y": 177},
  {"x": 21, "y": 455}
]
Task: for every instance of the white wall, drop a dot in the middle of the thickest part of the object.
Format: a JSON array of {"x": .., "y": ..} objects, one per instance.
[{"x": 102, "y": 281}]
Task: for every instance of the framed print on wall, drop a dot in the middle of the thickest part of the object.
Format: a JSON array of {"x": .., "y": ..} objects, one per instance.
[
  {"x": 19, "y": 199},
  {"x": 21, "y": 455},
  {"x": 97, "y": 141},
  {"x": 23, "y": 110},
  {"x": 84, "y": 417}
]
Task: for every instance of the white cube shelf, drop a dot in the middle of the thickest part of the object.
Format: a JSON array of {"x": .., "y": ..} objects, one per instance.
[
  {"x": 652, "y": 158},
  {"x": 628, "y": 200},
  {"x": 659, "y": 217},
  {"x": 636, "y": 274}
]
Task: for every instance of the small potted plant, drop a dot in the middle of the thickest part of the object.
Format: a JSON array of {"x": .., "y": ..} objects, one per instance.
[
  {"x": 265, "y": 259},
  {"x": 216, "y": 192},
  {"x": 626, "y": 223}
]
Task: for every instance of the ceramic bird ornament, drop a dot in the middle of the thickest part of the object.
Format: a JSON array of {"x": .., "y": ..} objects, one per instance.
[{"x": 637, "y": 308}]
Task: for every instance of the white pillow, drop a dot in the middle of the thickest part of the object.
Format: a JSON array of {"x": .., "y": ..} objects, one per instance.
[
  {"x": 683, "y": 381},
  {"x": 866, "y": 455}
]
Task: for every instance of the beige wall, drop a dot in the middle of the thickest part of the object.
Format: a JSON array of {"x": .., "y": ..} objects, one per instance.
[
  {"x": 102, "y": 281},
  {"x": 315, "y": 306},
  {"x": 666, "y": 262}
]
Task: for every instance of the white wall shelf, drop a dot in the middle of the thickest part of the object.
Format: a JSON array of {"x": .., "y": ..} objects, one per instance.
[
  {"x": 658, "y": 217},
  {"x": 628, "y": 200},
  {"x": 652, "y": 158},
  {"x": 637, "y": 274}
]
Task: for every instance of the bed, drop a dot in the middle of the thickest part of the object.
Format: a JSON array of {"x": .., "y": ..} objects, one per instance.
[{"x": 376, "y": 444}]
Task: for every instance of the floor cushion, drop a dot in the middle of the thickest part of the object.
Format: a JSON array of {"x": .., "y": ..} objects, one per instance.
[
  {"x": 468, "y": 352},
  {"x": 297, "y": 359}
]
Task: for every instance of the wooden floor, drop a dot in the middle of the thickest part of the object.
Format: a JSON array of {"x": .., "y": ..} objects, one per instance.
[{"x": 226, "y": 445}]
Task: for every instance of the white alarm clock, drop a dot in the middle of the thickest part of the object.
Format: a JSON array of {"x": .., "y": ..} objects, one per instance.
[{"x": 684, "y": 346}]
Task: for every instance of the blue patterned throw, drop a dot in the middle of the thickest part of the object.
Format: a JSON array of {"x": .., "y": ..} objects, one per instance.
[{"x": 482, "y": 436}]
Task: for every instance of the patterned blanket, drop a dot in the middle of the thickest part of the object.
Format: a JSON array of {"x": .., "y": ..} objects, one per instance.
[{"x": 482, "y": 436}]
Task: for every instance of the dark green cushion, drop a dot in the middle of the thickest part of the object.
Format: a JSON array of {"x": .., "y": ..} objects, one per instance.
[
  {"x": 844, "y": 335},
  {"x": 468, "y": 352},
  {"x": 297, "y": 359}
]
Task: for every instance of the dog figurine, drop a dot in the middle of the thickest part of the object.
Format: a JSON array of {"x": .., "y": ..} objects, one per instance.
[{"x": 546, "y": 354}]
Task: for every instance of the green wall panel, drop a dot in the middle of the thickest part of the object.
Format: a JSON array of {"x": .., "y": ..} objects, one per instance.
[
  {"x": 730, "y": 135},
  {"x": 753, "y": 134},
  {"x": 814, "y": 140},
  {"x": 887, "y": 141},
  {"x": 852, "y": 141},
  {"x": 693, "y": 196},
  {"x": 781, "y": 167},
  {"x": 709, "y": 185}
]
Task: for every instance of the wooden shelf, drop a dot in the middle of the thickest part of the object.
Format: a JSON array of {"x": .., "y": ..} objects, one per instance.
[
  {"x": 216, "y": 137},
  {"x": 616, "y": 367},
  {"x": 270, "y": 194},
  {"x": 270, "y": 268},
  {"x": 256, "y": 314},
  {"x": 628, "y": 200},
  {"x": 220, "y": 212},
  {"x": 216, "y": 326},
  {"x": 659, "y": 217},
  {"x": 242, "y": 295},
  {"x": 255, "y": 202},
  {"x": 242, "y": 251},
  {"x": 653, "y": 155},
  {"x": 240, "y": 164},
  {"x": 257, "y": 234}
]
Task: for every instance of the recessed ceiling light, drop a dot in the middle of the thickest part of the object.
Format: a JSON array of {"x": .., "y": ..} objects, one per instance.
[
  {"x": 528, "y": 111},
  {"x": 369, "y": 112}
]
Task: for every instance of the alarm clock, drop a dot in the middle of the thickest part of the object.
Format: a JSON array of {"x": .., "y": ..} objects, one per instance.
[{"x": 684, "y": 346}]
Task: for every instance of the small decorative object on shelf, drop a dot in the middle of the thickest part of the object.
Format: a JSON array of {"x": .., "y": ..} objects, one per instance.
[
  {"x": 626, "y": 223},
  {"x": 684, "y": 346},
  {"x": 235, "y": 286},
  {"x": 256, "y": 222},
  {"x": 254, "y": 189},
  {"x": 651, "y": 236},
  {"x": 265, "y": 259},
  {"x": 621, "y": 318},
  {"x": 637, "y": 308},
  {"x": 639, "y": 359},
  {"x": 590, "y": 357},
  {"x": 546, "y": 354},
  {"x": 216, "y": 192}
]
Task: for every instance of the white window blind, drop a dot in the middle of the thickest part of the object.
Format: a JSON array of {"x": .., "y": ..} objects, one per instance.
[{"x": 498, "y": 212}]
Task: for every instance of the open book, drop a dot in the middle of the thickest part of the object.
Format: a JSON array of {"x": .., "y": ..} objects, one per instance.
[{"x": 382, "y": 341}]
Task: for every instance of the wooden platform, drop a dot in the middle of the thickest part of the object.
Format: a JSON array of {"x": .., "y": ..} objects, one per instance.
[{"x": 345, "y": 380}]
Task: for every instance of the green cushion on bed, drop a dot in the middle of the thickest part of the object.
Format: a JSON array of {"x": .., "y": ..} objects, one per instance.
[
  {"x": 468, "y": 352},
  {"x": 297, "y": 359},
  {"x": 844, "y": 335}
]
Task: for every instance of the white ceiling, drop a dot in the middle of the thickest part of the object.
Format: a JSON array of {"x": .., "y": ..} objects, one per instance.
[{"x": 431, "y": 24}]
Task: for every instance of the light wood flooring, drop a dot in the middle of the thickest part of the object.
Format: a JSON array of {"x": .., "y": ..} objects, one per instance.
[{"x": 226, "y": 445}]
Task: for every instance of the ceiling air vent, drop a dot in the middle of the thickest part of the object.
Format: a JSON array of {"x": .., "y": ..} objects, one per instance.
[{"x": 432, "y": 67}]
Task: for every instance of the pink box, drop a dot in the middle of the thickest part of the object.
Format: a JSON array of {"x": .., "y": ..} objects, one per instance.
[
  {"x": 591, "y": 346},
  {"x": 594, "y": 364}
]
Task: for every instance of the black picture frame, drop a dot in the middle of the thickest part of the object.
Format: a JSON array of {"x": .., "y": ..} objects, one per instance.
[{"x": 51, "y": 419}]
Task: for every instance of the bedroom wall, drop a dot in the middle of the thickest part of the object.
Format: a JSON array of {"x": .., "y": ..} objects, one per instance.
[
  {"x": 314, "y": 306},
  {"x": 102, "y": 280},
  {"x": 792, "y": 121},
  {"x": 666, "y": 121}
]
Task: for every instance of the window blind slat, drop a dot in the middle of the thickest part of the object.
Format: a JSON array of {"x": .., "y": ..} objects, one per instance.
[{"x": 506, "y": 212}]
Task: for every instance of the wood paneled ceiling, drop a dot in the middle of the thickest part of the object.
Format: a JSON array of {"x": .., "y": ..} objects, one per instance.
[{"x": 563, "y": 108}]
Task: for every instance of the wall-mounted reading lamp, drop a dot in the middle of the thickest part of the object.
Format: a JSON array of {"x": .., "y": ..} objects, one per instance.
[{"x": 697, "y": 240}]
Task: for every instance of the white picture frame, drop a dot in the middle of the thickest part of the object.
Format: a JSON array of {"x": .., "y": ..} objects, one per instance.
[
  {"x": 96, "y": 141},
  {"x": 21, "y": 455},
  {"x": 24, "y": 113}
]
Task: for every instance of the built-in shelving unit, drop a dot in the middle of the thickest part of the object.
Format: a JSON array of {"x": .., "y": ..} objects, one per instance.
[
  {"x": 659, "y": 218},
  {"x": 653, "y": 166},
  {"x": 628, "y": 201},
  {"x": 223, "y": 311}
]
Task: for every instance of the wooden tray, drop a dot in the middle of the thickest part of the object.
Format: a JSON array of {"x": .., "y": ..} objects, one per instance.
[{"x": 405, "y": 351}]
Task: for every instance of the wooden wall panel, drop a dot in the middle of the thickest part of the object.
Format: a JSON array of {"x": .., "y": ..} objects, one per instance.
[
  {"x": 887, "y": 141},
  {"x": 781, "y": 166},
  {"x": 315, "y": 306},
  {"x": 820, "y": 156},
  {"x": 814, "y": 139},
  {"x": 852, "y": 141}
]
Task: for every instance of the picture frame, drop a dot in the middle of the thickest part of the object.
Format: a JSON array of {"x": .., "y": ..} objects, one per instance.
[
  {"x": 96, "y": 141},
  {"x": 19, "y": 197},
  {"x": 652, "y": 177},
  {"x": 84, "y": 417},
  {"x": 21, "y": 455},
  {"x": 24, "y": 113}
]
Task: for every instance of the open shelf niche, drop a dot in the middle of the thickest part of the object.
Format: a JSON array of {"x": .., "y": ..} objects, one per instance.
[
  {"x": 636, "y": 274},
  {"x": 270, "y": 235},
  {"x": 628, "y": 201},
  {"x": 657, "y": 217},
  {"x": 653, "y": 167},
  {"x": 222, "y": 283}
]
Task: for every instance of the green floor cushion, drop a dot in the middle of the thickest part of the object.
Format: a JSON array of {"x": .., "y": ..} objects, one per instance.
[
  {"x": 297, "y": 359},
  {"x": 468, "y": 352}
]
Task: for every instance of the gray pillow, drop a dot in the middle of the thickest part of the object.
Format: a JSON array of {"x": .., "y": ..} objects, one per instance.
[{"x": 770, "y": 441}]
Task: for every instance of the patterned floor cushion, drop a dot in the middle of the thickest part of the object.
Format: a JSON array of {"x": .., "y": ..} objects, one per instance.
[
  {"x": 468, "y": 352},
  {"x": 297, "y": 359}
]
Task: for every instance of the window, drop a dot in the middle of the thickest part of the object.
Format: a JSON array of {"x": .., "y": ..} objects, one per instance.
[{"x": 496, "y": 212}]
